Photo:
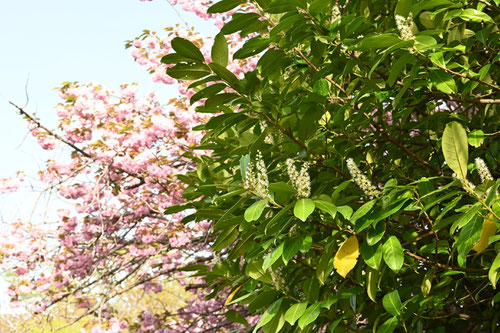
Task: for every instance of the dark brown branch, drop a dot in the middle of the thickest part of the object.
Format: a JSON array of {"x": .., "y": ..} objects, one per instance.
[
  {"x": 51, "y": 133},
  {"x": 445, "y": 267},
  {"x": 339, "y": 87}
]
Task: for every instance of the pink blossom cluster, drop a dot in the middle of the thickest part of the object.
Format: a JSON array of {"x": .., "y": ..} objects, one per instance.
[
  {"x": 9, "y": 185},
  {"x": 125, "y": 152},
  {"x": 149, "y": 48}
]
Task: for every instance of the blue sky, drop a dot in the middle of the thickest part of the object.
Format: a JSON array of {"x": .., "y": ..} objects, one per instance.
[{"x": 45, "y": 43}]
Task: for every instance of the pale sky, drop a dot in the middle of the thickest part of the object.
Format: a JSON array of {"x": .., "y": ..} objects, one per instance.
[{"x": 48, "y": 42}]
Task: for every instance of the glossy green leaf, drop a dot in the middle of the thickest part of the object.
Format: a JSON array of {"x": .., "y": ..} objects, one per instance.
[
  {"x": 269, "y": 314},
  {"x": 310, "y": 315},
  {"x": 372, "y": 276},
  {"x": 303, "y": 208},
  {"x": 253, "y": 212},
  {"x": 186, "y": 48},
  {"x": 443, "y": 81},
  {"x": 236, "y": 317},
  {"x": 326, "y": 207},
  {"x": 295, "y": 312},
  {"x": 494, "y": 271},
  {"x": 220, "y": 52},
  {"x": 392, "y": 303},
  {"x": 239, "y": 22},
  {"x": 372, "y": 255},
  {"x": 388, "y": 326},
  {"x": 275, "y": 255},
  {"x": 469, "y": 235},
  {"x": 188, "y": 71},
  {"x": 226, "y": 238},
  {"x": 207, "y": 92},
  {"x": 223, "y": 6},
  {"x": 476, "y": 138},
  {"x": 393, "y": 254},
  {"x": 473, "y": 15},
  {"x": 455, "y": 148}
]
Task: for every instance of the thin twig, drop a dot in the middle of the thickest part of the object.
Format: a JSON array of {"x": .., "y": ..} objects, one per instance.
[{"x": 446, "y": 267}]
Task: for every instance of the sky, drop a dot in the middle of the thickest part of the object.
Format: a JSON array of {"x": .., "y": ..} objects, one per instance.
[{"x": 45, "y": 43}]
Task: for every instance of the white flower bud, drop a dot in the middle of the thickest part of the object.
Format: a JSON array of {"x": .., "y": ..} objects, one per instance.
[
  {"x": 361, "y": 180},
  {"x": 483, "y": 171},
  {"x": 301, "y": 181}
]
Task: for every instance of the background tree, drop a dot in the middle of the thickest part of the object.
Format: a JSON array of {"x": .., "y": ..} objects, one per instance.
[{"x": 350, "y": 176}]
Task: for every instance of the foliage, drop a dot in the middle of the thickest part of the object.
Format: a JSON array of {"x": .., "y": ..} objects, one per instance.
[
  {"x": 337, "y": 172},
  {"x": 384, "y": 100}
]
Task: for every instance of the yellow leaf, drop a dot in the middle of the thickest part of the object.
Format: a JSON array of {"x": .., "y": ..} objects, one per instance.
[
  {"x": 231, "y": 295},
  {"x": 347, "y": 256},
  {"x": 489, "y": 229}
]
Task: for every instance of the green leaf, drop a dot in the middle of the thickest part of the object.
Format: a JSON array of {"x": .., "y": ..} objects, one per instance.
[
  {"x": 311, "y": 290},
  {"x": 378, "y": 41},
  {"x": 256, "y": 272},
  {"x": 322, "y": 87},
  {"x": 474, "y": 15},
  {"x": 346, "y": 211},
  {"x": 398, "y": 66},
  {"x": 426, "y": 285},
  {"x": 374, "y": 235},
  {"x": 178, "y": 208},
  {"x": 303, "y": 208},
  {"x": 392, "y": 303},
  {"x": 275, "y": 324},
  {"x": 465, "y": 218},
  {"x": 252, "y": 47},
  {"x": 269, "y": 314},
  {"x": 362, "y": 211},
  {"x": 455, "y": 148},
  {"x": 223, "y": 6},
  {"x": 276, "y": 218},
  {"x": 388, "y": 326},
  {"x": 469, "y": 235},
  {"x": 371, "y": 283},
  {"x": 253, "y": 212},
  {"x": 476, "y": 138},
  {"x": 338, "y": 190},
  {"x": 236, "y": 317},
  {"x": 174, "y": 58},
  {"x": 310, "y": 315},
  {"x": 295, "y": 312},
  {"x": 493, "y": 273},
  {"x": 325, "y": 265},
  {"x": 207, "y": 92},
  {"x": 244, "y": 161},
  {"x": 226, "y": 238},
  {"x": 220, "y": 52},
  {"x": 186, "y": 48},
  {"x": 443, "y": 81},
  {"x": 424, "y": 42},
  {"x": 372, "y": 255},
  {"x": 292, "y": 246},
  {"x": 225, "y": 75},
  {"x": 326, "y": 207},
  {"x": 281, "y": 187},
  {"x": 275, "y": 255},
  {"x": 403, "y": 8},
  {"x": 188, "y": 71},
  {"x": 393, "y": 254},
  {"x": 239, "y": 22},
  {"x": 262, "y": 300}
]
